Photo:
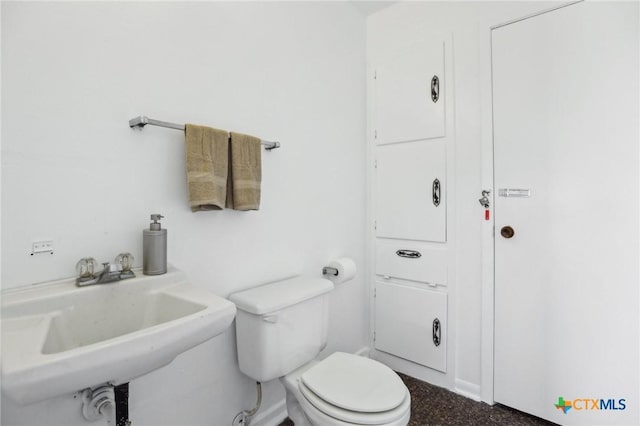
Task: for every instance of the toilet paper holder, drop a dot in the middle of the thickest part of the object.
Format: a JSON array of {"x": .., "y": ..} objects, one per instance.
[
  {"x": 328, "y": 270},
  {"x": 339, "y": 270}
]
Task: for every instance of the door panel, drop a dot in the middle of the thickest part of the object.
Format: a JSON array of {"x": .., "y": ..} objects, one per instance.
[
  {"x": 405, "y": 319},
  {"x": 565, "y": 93},
  {"x": 406, "y": 176},
  {"x": 405, "y": 109},
  {"x": 412, "y": 260}
]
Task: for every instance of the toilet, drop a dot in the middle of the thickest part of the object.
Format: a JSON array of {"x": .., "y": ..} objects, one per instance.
[{"x": 281, "y": 327}]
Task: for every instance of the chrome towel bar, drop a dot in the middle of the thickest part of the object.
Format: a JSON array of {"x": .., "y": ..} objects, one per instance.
[{"x": 142, "y": 120}]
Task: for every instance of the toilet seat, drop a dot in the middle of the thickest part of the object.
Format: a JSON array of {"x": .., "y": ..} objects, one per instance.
[
  {"x": 354, "y": 417},
  {"x": 356, "y": 390}
]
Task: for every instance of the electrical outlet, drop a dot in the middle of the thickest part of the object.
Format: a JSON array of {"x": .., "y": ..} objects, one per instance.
[{"x": 42, "y": 247}]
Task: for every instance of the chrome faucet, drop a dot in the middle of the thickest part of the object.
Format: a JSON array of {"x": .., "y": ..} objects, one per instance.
[{"x": 121, "y": 270}]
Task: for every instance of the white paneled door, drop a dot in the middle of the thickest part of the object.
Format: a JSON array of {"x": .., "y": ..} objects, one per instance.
[{"x": 566, "y": 120}]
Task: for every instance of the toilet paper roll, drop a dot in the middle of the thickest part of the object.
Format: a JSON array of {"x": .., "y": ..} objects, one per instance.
[{"x": 346, "y": 270}]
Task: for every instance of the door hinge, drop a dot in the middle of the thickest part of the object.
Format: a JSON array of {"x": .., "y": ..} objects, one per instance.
[
  {"x": 375, "y": 133},
  {"x": 375, "y": 74},
  {"x": 375, "y": 293},
  {"x": 374, "y": 337},
  {"x": 375, "y": 224},
  {"x": 375, "y": 164}
]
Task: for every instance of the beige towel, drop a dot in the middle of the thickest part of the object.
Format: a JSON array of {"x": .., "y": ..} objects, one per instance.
[
  {"x": 207, "y": 155},
  {"x": 245, "y": 173}
]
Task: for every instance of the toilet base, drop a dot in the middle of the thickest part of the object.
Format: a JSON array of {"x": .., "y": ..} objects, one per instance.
[
  {"x": 295, "y": 412},
  {"x": 294, "y": 409}
]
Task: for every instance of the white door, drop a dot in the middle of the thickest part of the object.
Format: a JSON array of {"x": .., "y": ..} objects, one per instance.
[{"x": 566, "y": 119}]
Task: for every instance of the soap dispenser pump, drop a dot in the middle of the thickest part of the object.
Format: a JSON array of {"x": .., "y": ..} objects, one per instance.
[{"x": 154, "y": 248}]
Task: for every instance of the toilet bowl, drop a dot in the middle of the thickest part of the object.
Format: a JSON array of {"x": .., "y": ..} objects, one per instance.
[
  {"x": 346, "y": 390},
  {"x": 280, "y": 330}
]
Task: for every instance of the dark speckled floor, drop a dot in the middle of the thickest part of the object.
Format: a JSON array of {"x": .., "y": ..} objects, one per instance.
[{"x": 431, "y": 405}]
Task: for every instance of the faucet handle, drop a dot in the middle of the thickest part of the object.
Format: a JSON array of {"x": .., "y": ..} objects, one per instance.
[
  {"x": 86, "y": 266},
  {"x": 125, "y": 260}
]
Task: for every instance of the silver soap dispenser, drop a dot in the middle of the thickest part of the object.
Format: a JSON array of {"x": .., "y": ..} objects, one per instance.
[{"x": 154, "y": 248}]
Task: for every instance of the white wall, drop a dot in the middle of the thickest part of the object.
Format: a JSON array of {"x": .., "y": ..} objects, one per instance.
[
  {"x": 73, "y": 172},
  {"x": 468, "y": 23}
]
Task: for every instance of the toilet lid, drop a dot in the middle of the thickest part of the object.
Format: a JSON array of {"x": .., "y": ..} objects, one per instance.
[{"x": 355, "y": 383}]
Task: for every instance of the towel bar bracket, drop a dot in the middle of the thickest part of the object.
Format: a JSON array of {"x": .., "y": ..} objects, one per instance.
[
  {"x": 141, "y": 121},
  {"x": 273, "y": 145}
]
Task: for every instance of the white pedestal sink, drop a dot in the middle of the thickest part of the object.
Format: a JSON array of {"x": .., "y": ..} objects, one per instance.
[{"x": 58, "y": 338}]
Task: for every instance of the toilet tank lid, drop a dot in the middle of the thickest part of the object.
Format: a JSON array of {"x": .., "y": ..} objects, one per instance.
[{"x": 280, "y": 294}]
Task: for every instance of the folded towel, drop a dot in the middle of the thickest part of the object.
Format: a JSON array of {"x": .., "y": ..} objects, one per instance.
[
  {"x": 207, "y": 155},
  {"x": 245, "y": 173}
]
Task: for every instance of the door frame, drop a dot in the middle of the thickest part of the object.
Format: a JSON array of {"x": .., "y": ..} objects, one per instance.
[{"x": 488, "y": 227}]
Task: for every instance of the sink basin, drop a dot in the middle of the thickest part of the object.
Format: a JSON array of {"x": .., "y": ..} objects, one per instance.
[{"x": 58, "y": 338}]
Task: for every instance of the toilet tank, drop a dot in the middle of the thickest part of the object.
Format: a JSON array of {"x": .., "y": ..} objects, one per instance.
[{"x": 281, "y": 326}]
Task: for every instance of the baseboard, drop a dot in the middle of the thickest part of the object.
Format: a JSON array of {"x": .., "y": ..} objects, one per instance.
[
  {"x": 272, "y": 416},
  {"x": 468, "y": 389}
]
